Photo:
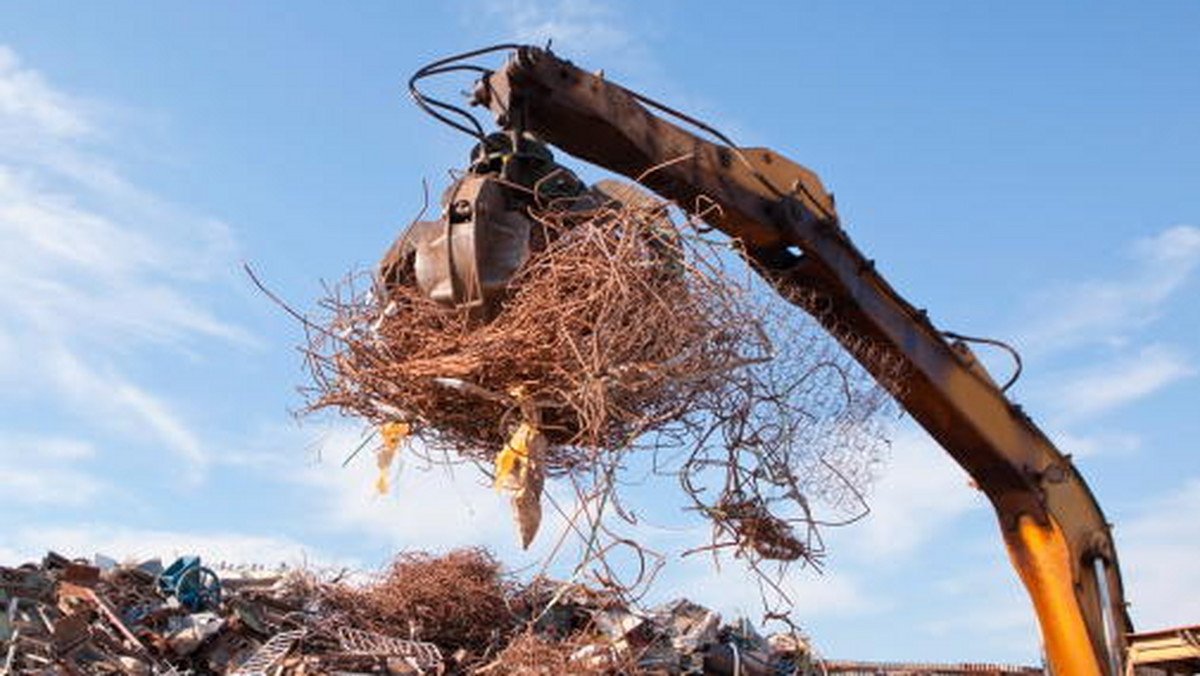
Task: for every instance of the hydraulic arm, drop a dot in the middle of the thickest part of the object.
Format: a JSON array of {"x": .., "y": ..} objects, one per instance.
[{"x": 1055, "y": 532}]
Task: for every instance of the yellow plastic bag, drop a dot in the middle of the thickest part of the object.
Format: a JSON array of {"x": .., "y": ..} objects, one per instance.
[
  {"x": 511, "y": 459},
  {"x": 392, "y": 434},
  {"x": 519, "y": 471}
]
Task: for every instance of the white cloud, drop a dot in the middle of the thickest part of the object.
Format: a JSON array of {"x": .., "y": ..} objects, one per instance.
[
  {"x": 1105, "y": 321},
  {"x": 1090, "y": 445},
  {"x": 122, "y": 543},
  {"x": 123, "y": 405},
  {"x": 58, "y": 449},
  {"x": 67, "y": 270},
  {"x": 1160, "y": 559},
  {"x": 26, "y": 97},
  {"x": 993, "y": 609},
  {"x": 734, "y": 592},
  {"x": 1121, "y": 382},
  {"x": 425, "y": 508},
  {"x": 920, "y": 491},
  {"x": 41, "y": 471},
  {"x": 33, "y": 485},
  {"x": 578, "y": 25},
  {"x": 593, "y": 33},
  {"x": 1108, "y": 311},
  {"x": 92, "y": 266}
]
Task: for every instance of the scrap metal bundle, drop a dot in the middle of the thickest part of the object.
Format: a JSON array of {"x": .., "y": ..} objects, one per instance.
[
  {"x": 608, "y": 330},
  {"x": 545, "y": 329}
]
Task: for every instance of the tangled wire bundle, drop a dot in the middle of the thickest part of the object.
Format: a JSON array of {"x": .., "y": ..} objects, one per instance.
[
  {"x": 529, "y": 654},
  {"x": 459, "y": 600},
  {"x": 621, "y": 332},
  {"x": 610, "y": 332}
]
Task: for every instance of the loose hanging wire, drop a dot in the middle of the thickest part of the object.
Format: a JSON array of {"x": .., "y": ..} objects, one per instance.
[
  {"x": 450, "y": 64},
  {"x": 1012, "y": 352}
]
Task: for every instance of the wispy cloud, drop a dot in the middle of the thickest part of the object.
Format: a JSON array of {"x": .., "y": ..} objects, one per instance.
[
  {"x": 919, "y": 493},
  {"x": 91, "y": 265},
  {"x": 1092, "y": 341},
  {"x": 986, "y": 601},
  {"x": 425, "y": 508},
  {"x": 1110, "y": 311},
  {"x": 123, "y": 404},
  {"x": 123, "y": 543},
  {"x": 583, "y": 25},
  {"x": 1107, "y": 386},
  {"x": 1159, "y": 558},
  {"x": 43, "y": 471},
  {"x": 1097, "y": 443},
  {"x": 594, "y": 33},
  {"x": 26, "y": 98},
  {"x": 734, "y": 593},
  {"x": 620, "y": 40}
]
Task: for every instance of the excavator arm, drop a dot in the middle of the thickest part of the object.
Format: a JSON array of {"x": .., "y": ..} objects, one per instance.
[{"x": 1056, "y": 534}]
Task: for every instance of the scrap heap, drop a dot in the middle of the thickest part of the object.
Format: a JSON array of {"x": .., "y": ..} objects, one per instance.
[
  {"x": 455, "y": 615},
  {"x": 66, "y": 616}
]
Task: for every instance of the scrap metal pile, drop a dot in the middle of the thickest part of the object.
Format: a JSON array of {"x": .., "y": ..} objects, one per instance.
[{"x": 455, "y": 614}]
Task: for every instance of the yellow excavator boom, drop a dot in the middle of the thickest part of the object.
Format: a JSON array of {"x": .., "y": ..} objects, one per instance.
[{"x": 1055, "y": 532}]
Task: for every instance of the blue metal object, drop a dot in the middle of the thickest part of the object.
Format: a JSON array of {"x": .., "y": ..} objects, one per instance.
[{"x": 197, "y": 588}]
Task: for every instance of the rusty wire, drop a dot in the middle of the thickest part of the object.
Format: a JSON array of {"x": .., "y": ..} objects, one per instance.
[
  {"x": 584, "y": 653},
  {"x": 459, "y": 601},
  {"x": 610, "y": 331},
  {"x": 629, "y": 335}
]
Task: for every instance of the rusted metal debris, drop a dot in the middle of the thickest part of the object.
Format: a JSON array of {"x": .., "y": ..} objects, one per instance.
[
  {"x": 453, "y": 615},
  {"x": 80, "y": 618},
  {"x": 856, "y": 668},
  {"x": 76, "y": 618}
]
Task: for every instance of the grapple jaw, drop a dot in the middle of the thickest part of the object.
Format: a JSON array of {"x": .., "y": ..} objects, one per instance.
[{"x": 467, "y": 257}]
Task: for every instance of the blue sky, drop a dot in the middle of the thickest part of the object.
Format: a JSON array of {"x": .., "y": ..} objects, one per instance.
[{"x": 1024, "y": 170}]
